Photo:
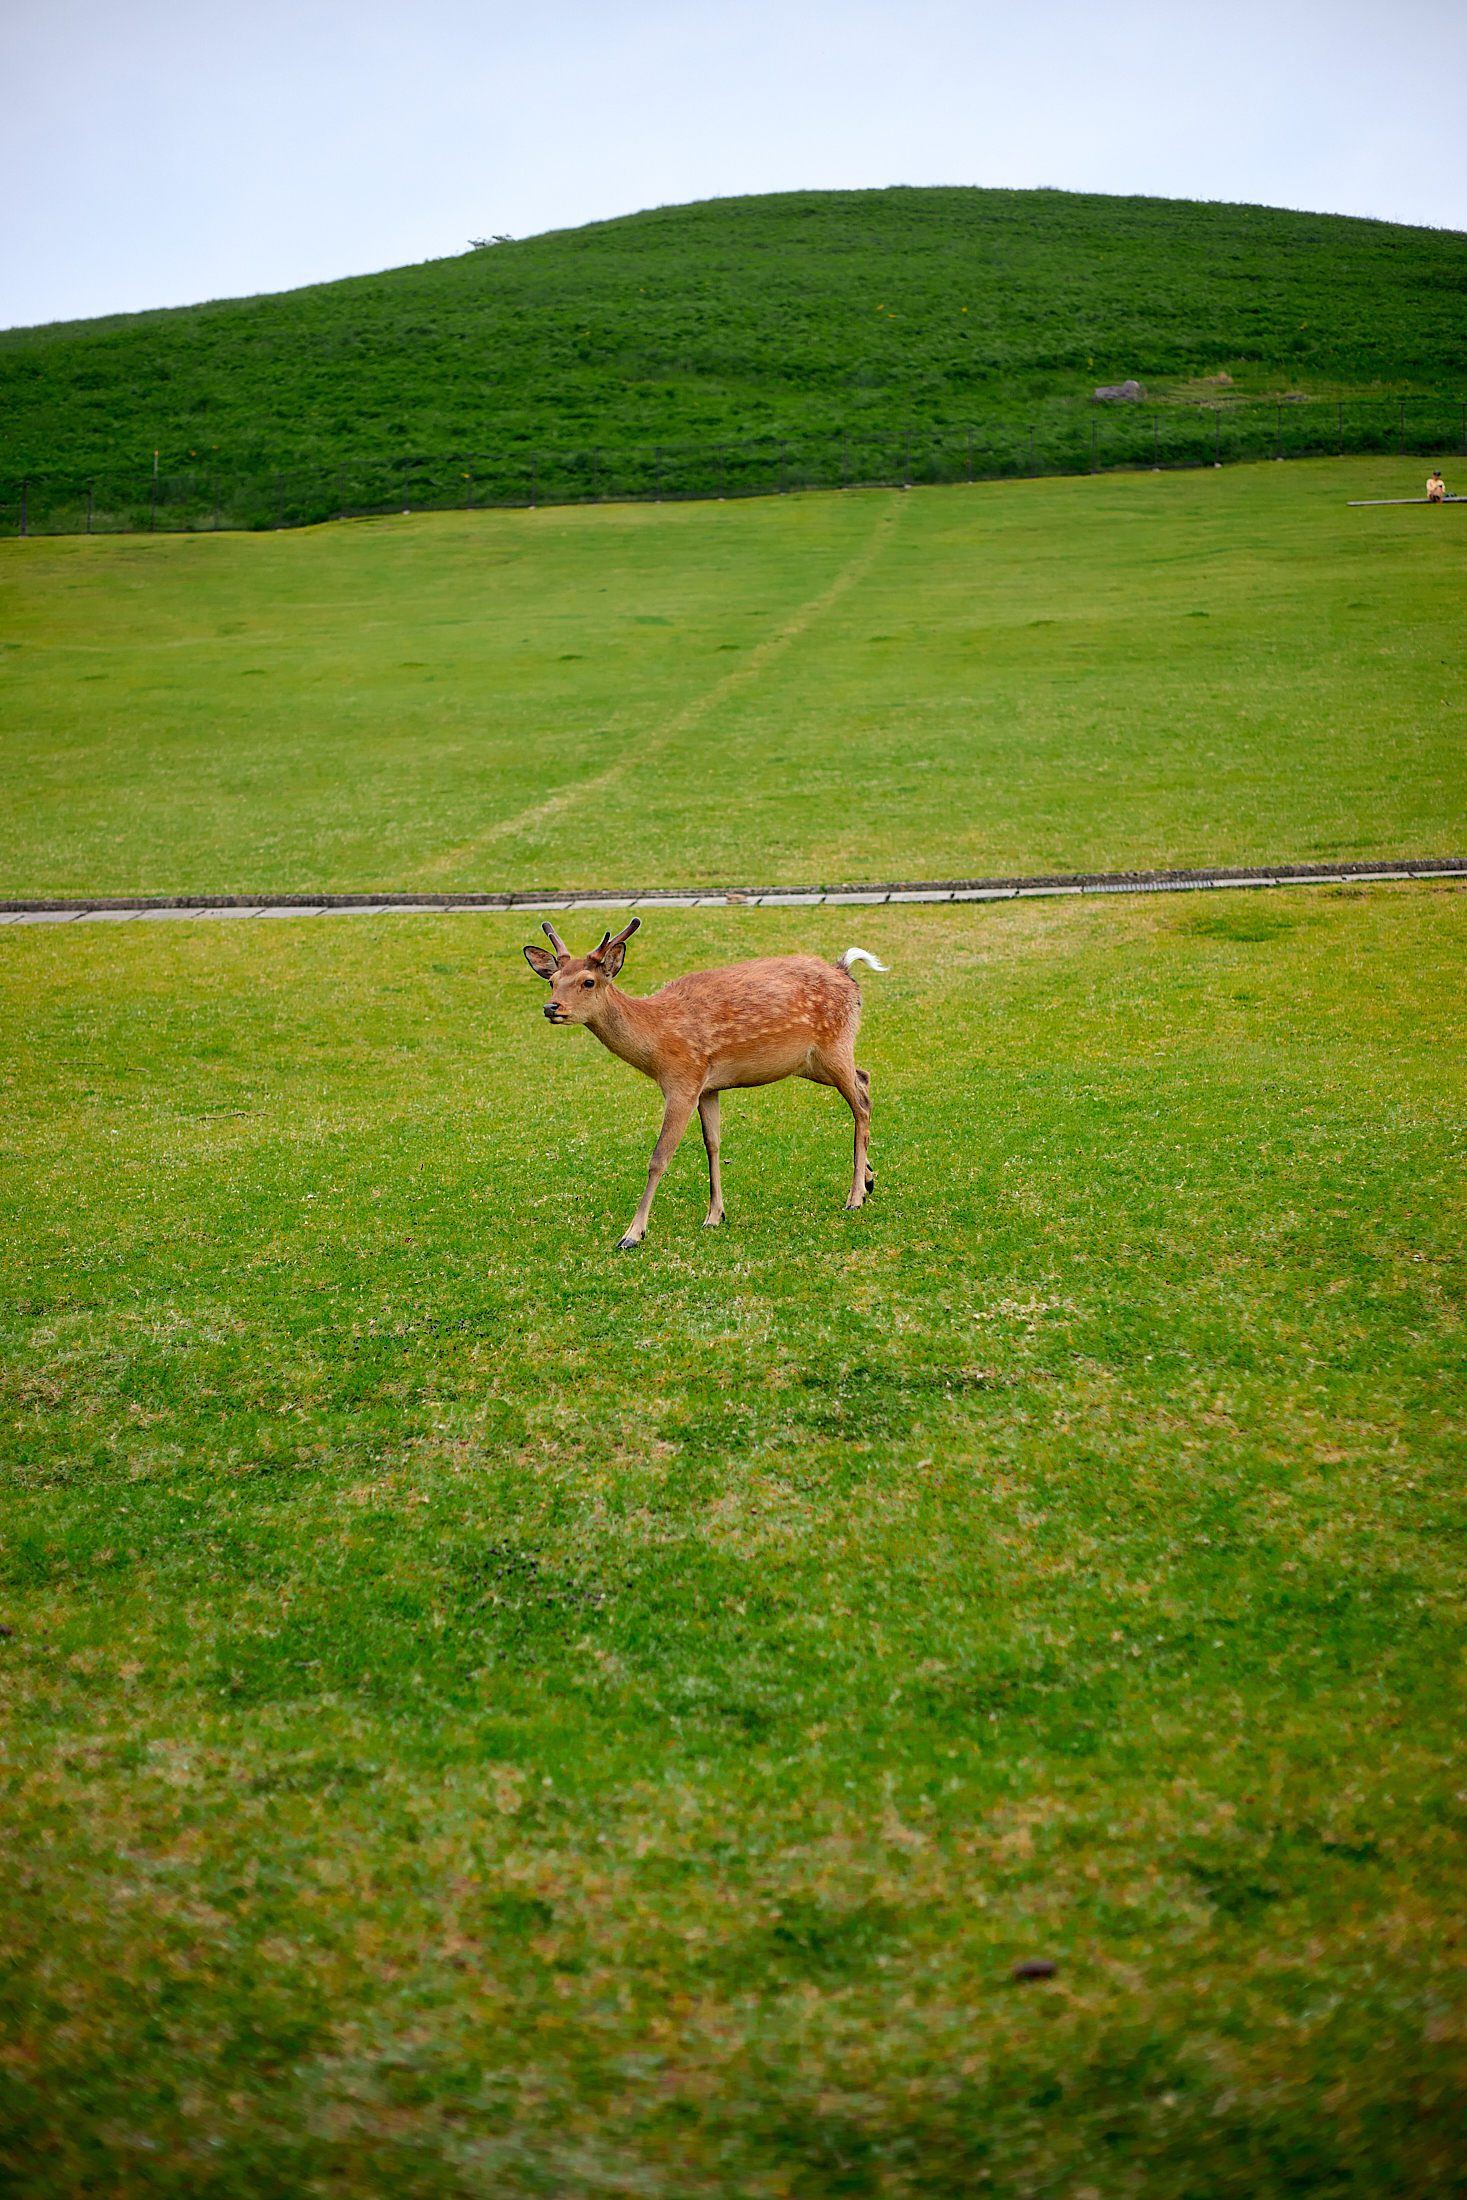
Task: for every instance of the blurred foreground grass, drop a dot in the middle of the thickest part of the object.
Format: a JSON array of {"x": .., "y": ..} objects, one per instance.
[{"x": 487, "y": 1717}]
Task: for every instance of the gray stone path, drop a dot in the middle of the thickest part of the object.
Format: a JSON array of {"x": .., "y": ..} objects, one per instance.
[{"x": 117, "y": 909}]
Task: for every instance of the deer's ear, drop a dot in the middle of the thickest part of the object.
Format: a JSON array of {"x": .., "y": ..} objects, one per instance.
[
  {"x": 541, "y": 962},
  {"x": 613, "y": 959}
]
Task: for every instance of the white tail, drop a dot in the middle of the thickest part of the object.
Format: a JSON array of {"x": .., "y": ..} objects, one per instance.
[{"x": 713, "y": 1031}]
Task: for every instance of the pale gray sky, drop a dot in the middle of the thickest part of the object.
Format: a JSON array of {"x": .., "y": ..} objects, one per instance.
[{"x": 163, "y": 151}]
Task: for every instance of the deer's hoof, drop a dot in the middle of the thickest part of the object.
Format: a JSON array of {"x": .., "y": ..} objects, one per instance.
[
  {"x": 714, "y": 1222},
  {"x": 625, "y": 1244}
]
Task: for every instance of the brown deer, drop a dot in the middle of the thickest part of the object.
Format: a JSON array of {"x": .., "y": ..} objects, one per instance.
[{"x": 715, "y": 1031}]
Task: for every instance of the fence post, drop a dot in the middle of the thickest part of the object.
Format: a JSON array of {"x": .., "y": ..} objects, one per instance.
[
  {"x": 153, "y": 501},
  {"x": 406, "y": 507},
  {"x": 89, "y": 507},
  {"x": 1279, "y": 429},
  {"x": 908, "y": 482},
  {"x": 1217, "y": 435},
  {"x": 1401, "y": 435},
  {"x": 341, "y": 495},
  {"x": 1156, "y": 442}
]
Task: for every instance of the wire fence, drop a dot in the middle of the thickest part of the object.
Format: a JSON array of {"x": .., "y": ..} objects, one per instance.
[{"x": 1124, "y": 437}]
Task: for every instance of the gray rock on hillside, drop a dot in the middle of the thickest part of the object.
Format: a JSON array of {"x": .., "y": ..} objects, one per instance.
[{"x": 1130, "y": 393}]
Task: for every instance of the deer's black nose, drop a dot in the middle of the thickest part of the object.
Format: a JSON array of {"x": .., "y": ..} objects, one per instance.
[{"x": 552, "y": 1013}]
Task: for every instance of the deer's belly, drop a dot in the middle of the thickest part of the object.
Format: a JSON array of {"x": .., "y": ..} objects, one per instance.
[{"x": 760, "y": 1065}]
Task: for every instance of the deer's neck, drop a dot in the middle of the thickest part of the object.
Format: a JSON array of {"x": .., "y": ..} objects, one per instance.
[{"x": 629, "y": 1028}]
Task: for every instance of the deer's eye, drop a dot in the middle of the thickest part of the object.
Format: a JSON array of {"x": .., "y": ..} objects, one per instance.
[{"x": 588, "y": 981}]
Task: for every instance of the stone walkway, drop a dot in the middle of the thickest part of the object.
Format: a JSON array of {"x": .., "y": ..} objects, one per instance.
[{"x": 141, "y": 909}]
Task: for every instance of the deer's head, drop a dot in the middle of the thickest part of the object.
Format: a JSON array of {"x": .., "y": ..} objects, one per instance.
[{"x": 578, "y": 983}]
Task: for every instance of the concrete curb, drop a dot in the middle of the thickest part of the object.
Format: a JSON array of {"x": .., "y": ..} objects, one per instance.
[{"x": 122, "y": 909}]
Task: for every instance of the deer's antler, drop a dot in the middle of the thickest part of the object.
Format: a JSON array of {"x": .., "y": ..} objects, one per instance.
[
  {"x": 607, "y": 941},
  {"x": 555, "y": 939}
]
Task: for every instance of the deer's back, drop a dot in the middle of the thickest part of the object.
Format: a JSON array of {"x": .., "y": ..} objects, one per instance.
[{"x": 776, "y": 1000}]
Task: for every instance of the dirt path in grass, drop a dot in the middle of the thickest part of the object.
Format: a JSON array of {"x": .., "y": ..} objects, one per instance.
[{"x": 759, "y": 660}]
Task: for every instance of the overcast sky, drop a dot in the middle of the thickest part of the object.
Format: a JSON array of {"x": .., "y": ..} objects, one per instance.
[{"x": 163, "y": 151}]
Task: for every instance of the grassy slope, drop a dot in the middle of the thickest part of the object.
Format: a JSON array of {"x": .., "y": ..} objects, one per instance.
[
  {"x": 947, "y": 683},
  {"x": 803, "y": 311},
  {"x": 487, "y": 1719}
]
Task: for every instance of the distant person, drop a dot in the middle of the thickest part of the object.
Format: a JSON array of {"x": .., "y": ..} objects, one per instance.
[{"x": 1436, "y": 488}]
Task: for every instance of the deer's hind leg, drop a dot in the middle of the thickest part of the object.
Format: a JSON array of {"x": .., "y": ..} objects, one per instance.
[
  {"x": 863, "y": 1079},
  {"x": 854, "y": 1087}
]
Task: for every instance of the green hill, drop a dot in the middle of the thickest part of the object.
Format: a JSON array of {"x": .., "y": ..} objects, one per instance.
[{"x": 795, "y": 314}]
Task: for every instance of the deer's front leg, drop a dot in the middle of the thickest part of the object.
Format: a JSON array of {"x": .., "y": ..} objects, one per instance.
[
  {"x": 680, "y": 1106},
  {"x": 708, "y": 1115}
]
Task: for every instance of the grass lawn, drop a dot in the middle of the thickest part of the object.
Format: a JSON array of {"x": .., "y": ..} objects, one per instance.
[
  {"x": 1217, "y": 667},
  {"x": 484, "y": 1717}
]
